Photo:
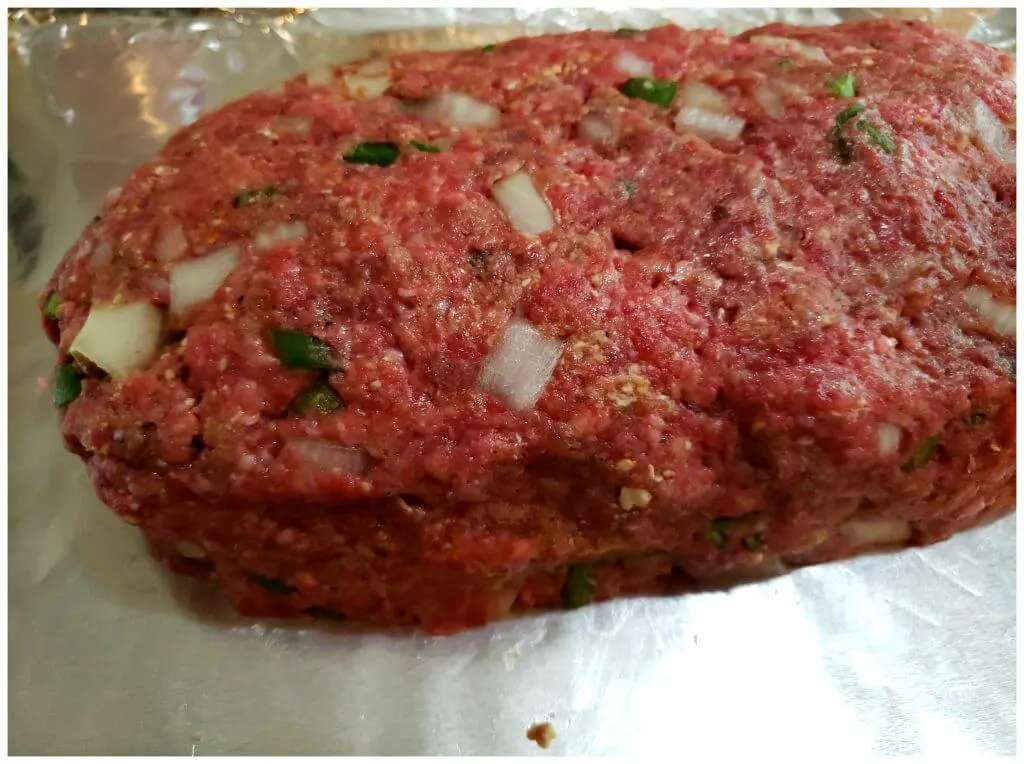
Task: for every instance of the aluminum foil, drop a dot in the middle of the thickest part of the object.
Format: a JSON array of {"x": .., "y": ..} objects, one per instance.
[{"x": 904, "y": 653}]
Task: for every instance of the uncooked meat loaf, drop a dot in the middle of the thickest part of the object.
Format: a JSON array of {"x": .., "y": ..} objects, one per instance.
[{"x": 429, "y": 339}]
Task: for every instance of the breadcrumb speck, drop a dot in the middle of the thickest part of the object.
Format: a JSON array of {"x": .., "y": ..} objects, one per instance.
[{"x": 542, "y": 733}]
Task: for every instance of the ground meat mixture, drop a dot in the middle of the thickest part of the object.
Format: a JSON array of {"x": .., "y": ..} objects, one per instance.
[{"x": 429, "y": 339}]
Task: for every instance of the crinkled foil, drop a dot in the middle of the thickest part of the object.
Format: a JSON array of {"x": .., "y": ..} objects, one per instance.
[{"x": 905, "y": 653}]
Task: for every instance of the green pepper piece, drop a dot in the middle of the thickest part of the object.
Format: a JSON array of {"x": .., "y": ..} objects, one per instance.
[
  {"x": 880, "y": 139},
  {"x": 715, "y": 535},
  {"x": 625, "y": 32},
  {"x": 248, "y": 196},
  {"x": 429, "y": 148},
  {"x": 843, "y": 86},
  {"x": 753, "y": 542},
  {"x": 380, "y": 154},
  {"x": 67, "y": 386},
  {"x": 52, "y": 303},
  {"x": 924, "y": 454},
  {"x": 488, "y": 48},
  {"x": 850, "y": 112},
  {"x": 579, "y": 587},
  {"x": 298, "y": 350},
  {"x": 320, "y": 398},
  {"x": 650, "y": 89}
]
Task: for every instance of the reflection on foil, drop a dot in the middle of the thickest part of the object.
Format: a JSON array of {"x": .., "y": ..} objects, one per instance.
[{"x": 905, "y": 653}]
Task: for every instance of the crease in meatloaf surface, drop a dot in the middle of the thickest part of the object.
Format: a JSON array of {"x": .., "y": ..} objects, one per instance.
[{"x": 775, "y": 346}]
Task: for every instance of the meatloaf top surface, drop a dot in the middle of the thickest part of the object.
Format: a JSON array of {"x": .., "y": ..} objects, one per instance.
[{"x": 832, "y": 291}]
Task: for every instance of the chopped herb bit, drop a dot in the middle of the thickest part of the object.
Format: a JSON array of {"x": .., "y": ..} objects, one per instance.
[
  {"x": 923, "y": 454},
  {"x": 978, "y": 417},
  {"x": 784, "y": 63},
  {"x": 626, "y": 32},
  {"x": 850, "y": 112},
  {"x": 67, "y": 386},
  {"x": 875, "y": 45},
  {"x": 275, "y": 585},
  {"x": 325, "y": 613},
  {"x": 489, "y": 48},
  {"x": 97, "y": 218},
  {"x": 247, "y": 197},
  {"x": 319, "y": 399},
  {"x": 629, "y": 186},
  {"x": 754, "y": 542},
  {"x": 650, "y": 89},
  {"x": 842, "y": 147},
  {"x": 877, "y": 137},
  {"x": 430, "y": 148},
  {"x": 52, "y": 303},
  {"x": 298, "y": 350},
  {"x": 579, "y": 587},
  {"x": 380, "y": 154},
  {"x": 843, "y": 86}
]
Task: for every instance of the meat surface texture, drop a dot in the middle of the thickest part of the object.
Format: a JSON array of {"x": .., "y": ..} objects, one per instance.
[{"x": 428, "y": 339}]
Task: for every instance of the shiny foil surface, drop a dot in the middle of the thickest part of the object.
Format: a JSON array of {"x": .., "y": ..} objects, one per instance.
[{"x": 903, "y": 653}]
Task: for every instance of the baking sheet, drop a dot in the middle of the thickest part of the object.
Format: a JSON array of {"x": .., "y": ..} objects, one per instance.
[{"x": 905, "y": 653}]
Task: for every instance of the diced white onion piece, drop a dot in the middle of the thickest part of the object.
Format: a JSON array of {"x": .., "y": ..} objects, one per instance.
[
  {"x": 112, "y": 195},
  {"x": 1000, "y": 316},
  {"x": 872, "y": 533},
  {"x": 990, "y": 131},
  {"x": 630, "y": 498},
  {"x": 191, "y": 551},
  {"x": 697, "y": 95},
  {"x": 708, "y": 125},
  {"x": 374, "y": 67},
  {"x": 460, "y": 110},
  {"x": 197, "y": 280},
  {"x": 769, "y": 567},
  {"x": 768, "y": 99},
  {"x": 523, "y": 205},
  {"x": 172, "y": 243},
  {"x": 324, "y": 453},
  {"x": 366, "y": 87},
  {"x": 278, "y": 233},
  {"x": 520, "y": 365},
  {"x": 595, "y": 129},
  {"x": 320, "y": 76},
  {"x": 119, "y": 338},
  {"x": 807, "y": 51},
  {"x": 633, "y": 65},
  {"x": 292, "y": 124},
  {"x": 102, "y": 255},
  {"x": 889, "y": 436}
]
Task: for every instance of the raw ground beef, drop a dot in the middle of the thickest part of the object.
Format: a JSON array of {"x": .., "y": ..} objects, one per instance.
[{"x": 428, "y": 339}]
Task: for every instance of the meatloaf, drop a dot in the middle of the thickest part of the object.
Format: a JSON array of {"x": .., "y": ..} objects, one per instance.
[{"x": 428, "y": 339}]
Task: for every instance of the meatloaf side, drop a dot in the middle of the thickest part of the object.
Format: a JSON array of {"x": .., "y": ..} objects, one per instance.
[{"x": 428, "y": 339}]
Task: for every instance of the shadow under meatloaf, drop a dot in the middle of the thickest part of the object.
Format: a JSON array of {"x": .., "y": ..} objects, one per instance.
[{"x": 452, "y": 334}]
